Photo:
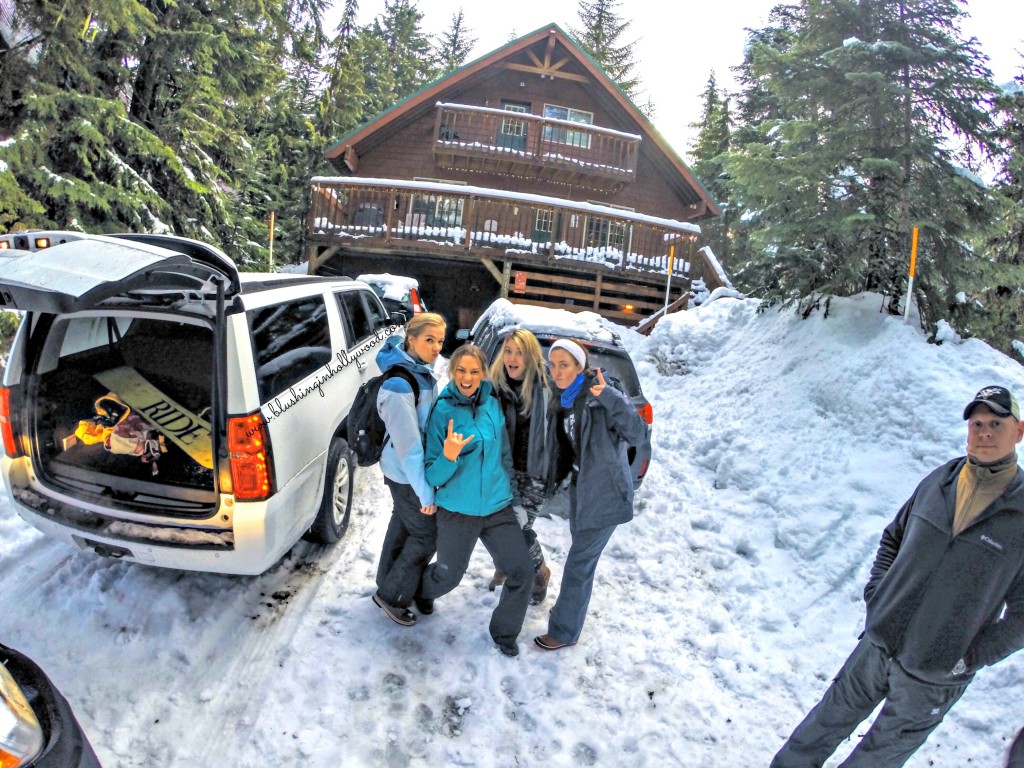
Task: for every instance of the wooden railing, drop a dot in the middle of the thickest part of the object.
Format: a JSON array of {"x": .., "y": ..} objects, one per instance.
[
  {"x": 484, "y": 138},
  {"x": 471, "y": 222}
]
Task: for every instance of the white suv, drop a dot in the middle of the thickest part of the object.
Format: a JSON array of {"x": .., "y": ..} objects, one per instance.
[{"x": 161, "y": 407}]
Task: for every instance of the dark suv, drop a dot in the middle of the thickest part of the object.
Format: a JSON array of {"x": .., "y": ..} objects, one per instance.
[{"x": 602, "y": 344}]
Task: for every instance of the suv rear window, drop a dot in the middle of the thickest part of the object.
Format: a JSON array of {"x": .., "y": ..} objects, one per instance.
[{"x": 290, "y": 341}]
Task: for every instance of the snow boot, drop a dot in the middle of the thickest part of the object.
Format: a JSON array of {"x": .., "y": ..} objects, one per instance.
[
  {"x": 496, "y": 580},
  {"x": 540, "y": 584}
]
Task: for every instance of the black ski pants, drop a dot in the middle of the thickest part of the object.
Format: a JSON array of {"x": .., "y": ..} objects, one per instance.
[
  {"x": 409, "y": 543},
  {"x": 501, "y": 535}
]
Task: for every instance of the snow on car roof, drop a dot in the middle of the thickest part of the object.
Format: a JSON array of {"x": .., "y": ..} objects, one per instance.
[
  {"x": 395, "y": 287},
  {"x": 558, "y": 322}
]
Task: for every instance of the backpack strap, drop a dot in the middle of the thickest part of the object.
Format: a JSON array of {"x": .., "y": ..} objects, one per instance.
[{"x": 399, "y": 372}]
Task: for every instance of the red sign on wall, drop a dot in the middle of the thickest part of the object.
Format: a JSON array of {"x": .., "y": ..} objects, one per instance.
[{"x": 520, "y": 283}]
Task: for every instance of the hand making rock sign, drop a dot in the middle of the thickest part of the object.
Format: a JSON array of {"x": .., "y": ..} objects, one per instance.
[{"x": 454, "y": 443}]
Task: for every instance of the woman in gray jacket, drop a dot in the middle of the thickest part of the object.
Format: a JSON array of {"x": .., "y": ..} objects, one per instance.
[{"x": 595, "y": 425}]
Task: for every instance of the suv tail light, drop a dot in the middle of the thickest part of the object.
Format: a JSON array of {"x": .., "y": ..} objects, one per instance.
[
  {"x": 6, "y": 427},
  {"x": 414, "y": 295},
  {"x": 249, "y": 449},
  {"x": 646, "y": 413}
]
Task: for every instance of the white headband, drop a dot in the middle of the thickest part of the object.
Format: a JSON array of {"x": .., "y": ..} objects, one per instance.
[{"x": 572, "y": 348}]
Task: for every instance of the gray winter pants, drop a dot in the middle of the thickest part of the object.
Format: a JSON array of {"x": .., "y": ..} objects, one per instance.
[
  {"x": 408, "y": 546},
  {"x": 501, "y": 535},
  {"x": 570, "y": 611},
  {"x": 912, "y": 710}
]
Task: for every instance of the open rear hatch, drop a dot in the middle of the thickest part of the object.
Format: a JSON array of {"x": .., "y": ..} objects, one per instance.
[{"x": 121, "y": 369}]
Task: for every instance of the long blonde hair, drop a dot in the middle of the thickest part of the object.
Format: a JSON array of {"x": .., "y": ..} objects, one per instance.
[{"x": 535, "y": 370}]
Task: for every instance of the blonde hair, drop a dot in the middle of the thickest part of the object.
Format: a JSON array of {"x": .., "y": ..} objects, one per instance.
[
  {"x": 419, "y": 323},
  {"x": 470, "y": 350},
  {"x": 535, "y": 370}
]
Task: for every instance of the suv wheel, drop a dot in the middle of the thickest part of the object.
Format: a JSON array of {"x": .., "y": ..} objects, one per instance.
[{"x": 336, "y": 505}]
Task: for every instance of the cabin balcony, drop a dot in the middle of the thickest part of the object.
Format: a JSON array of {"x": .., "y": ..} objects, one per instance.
[
  {"x": 539, "y": 249},
  {"x": 491, "y": 140}
]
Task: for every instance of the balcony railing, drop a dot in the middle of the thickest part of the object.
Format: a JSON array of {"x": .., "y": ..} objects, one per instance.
[
  {"x": 471, "y": 222},
  {"x": 520, "y": 144}
]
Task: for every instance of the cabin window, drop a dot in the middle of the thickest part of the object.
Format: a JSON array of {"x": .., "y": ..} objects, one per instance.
[
  {"x": 435, "y": 211},
  {"x": 560, "y": 134},
  {"x": 545, "y": 218},
  {"x": 605, "y": 233}
]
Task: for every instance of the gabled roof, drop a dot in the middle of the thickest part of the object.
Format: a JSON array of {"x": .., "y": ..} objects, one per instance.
[{"x": 517, "y": 55}]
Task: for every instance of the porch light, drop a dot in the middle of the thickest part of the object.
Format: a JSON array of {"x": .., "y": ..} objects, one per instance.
[{"x": 627, "y": 307}]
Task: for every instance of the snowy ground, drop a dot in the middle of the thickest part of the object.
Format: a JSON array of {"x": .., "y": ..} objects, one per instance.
[{"x": 782, "y": 448}]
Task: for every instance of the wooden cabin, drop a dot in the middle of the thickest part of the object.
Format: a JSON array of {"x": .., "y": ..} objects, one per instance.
[{"x": 525, "y": 174}]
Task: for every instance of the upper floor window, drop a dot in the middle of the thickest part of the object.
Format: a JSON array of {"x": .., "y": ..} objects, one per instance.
[{"x": 560, "y": 134}]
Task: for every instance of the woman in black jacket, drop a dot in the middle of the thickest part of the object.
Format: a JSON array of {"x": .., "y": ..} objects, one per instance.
[
  {"x": 595, "y": 425},
  {"x": 520, "y": 381}
]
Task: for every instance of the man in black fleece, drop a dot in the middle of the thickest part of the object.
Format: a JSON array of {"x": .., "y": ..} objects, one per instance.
[{"x": 945, "y": 569}]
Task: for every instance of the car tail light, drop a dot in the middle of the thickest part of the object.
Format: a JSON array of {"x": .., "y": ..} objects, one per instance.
[
  {"x": 646, "y": 413},
  {"x": 21, "y": 737},
  {"x": 6, "y": 427},
  {"x": 415, "y": 296},
  {"x": 249, "y": 448}
]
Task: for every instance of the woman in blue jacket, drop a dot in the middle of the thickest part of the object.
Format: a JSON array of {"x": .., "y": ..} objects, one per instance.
[
  {"x": 412, "y": 533},
  {"x": 469, "y": 462},
  {"x": 595, "y": 427}
]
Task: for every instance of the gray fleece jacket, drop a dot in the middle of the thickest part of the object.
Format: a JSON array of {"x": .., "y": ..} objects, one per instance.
[{"x": 932, "y": 598}]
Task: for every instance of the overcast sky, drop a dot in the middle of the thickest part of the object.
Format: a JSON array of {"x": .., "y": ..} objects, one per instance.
[{"x": 679, "y": 44}]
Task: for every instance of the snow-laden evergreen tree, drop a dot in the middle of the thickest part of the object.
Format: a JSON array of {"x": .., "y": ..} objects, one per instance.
[
  {"x": 873, "y": 107},
  {"x": 343, "y": 101},
  {"x": 991, "y": 305},
  {"x": 712, "y": 142},
  {"x": 454, "y": 45},
  {"x": 397, "y": 58},
  {"x": 600, "y": 35},
  {"x": 144, "y": 116}
]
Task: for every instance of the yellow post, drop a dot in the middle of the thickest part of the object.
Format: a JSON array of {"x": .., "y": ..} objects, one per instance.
[
  {"x": 270, "y": 258},
  {"x": 910, "y": 282},
  {"x": 668, "y": 282}
]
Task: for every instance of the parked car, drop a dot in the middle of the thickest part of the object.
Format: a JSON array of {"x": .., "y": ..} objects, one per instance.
[
  {"x": 398, "y": 293},
  {"x": 37, "y": 727},
  {"x": 163, "y": 408},
  {"x": 603, "y": 345},
  {"x": 36, "y": 239}
]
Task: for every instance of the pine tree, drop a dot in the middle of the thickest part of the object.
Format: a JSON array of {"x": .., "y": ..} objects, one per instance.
[
  {"x": 992, "y": 305},
  {"x": 854, "y": 152},
  {"x": 600, "y": 36},
  {"x": 712, "y": 142},
  {"x": 154, "y": 116},
  {"x": 454, "y": 46},
  {"x": 396, "y": 56}
]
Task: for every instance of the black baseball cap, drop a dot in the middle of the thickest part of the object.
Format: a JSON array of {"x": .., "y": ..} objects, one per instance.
[{"x": 999, "y": 399}]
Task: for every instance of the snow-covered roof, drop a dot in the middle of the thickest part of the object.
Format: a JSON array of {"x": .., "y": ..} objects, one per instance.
[
  {"x": 558, "y": 322},
  {"x": 395, "y": 287}
]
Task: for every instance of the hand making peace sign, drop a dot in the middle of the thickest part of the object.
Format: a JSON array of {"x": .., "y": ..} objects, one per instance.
[
  {"x": 598, "y": 388},
  {"x": 454, "y": 442}
]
